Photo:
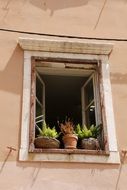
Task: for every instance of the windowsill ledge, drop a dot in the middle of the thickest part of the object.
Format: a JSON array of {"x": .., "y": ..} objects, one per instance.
[
  {"x": 70, "y": 156},
  {"x": 71, "y": 151}
]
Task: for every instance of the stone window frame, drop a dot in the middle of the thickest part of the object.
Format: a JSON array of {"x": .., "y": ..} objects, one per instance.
[{"x": 75, "y": 50}]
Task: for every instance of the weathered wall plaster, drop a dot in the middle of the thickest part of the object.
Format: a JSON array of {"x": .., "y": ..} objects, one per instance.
[{"x": 66, "y": 18}]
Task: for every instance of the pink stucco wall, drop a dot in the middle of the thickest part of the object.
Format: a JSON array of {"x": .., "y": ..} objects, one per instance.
[{"x": 68, "y": 17}]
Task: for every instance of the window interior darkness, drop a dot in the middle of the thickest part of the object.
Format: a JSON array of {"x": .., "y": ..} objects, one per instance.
[{"x": 63, "y": 99}]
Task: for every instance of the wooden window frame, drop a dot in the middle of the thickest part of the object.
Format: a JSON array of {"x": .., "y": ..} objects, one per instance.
[
  {"x": 93, "y": 74},
  {"x": 53, "y": 50}
]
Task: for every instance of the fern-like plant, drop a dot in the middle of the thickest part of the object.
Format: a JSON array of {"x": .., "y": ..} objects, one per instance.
[
  {"x": 84, "y": 132},
  {"x": 46, "y": 131}
]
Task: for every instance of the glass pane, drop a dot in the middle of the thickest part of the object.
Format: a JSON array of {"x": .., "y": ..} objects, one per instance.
[
  {"x": 39, "y": 90},
  {"x": 90, "y": 115},
  {"x": 39, "y": 97},
  {"x": 89, "y": 95},
  {"x": 38, "y": 109}
]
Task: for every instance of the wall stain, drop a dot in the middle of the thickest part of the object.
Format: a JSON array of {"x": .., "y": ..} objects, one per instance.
[
  {"x": 102, "y": 9},
  {"x": 35, "y": 174},
  {"x": 6, "y": 7},
  {"x": 6, "y": 158},
  {"x": 57, "y": 4},
  {"x": 118, "y": 78},
  {"x": 123, "y": 156}
]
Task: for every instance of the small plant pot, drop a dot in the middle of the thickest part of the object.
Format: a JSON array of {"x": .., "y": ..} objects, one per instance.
[
  {"x": 70, "y": 141},
  {"x": 90, "y": 144},
  {"x": 46, "y": 142}
]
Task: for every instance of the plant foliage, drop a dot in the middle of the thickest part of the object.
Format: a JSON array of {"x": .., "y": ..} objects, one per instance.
[
  {"x": 46, "y": 131},
  {"x": 67, "y": 127},
  {"x": 85, "y": 132}
]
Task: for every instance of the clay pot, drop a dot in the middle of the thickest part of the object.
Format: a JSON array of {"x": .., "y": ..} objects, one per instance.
[
  {"x": 46, "y": 142},
  {"x": 70, "y": 141},
  {"x": 90, "y": 144}
]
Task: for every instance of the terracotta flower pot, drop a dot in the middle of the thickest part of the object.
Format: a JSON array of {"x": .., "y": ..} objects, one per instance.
[
  {"x": 70, "y": 141},
  {"x": 90, "y": 144},
  {"x": 46, "y": 142}
]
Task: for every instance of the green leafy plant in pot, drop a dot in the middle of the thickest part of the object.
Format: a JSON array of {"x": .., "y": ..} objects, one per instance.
[
  {"x": 47, "y": 137},
  {"x": 88, "y": 136}
]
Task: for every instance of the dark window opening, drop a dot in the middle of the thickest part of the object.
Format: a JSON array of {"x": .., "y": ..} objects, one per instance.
[{"x": 63, "y": 98}]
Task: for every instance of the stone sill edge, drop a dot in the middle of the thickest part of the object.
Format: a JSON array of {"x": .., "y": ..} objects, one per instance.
[
  {"x": 112, "y": 159},
  {"x": 71, "y": 151}
]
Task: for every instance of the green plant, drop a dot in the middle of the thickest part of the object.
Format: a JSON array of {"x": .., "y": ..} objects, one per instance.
[
  {"x": 46, "y": 131},
  {"x": 84, "y": 132},
  {"x": 96, "y": 130}
]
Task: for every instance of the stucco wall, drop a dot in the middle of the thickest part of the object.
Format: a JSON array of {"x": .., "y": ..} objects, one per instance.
[{"x": 69, "y": 17}]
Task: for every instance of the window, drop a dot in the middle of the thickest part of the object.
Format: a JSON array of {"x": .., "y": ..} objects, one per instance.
[
  {"x": 65, "y": 90},
  {"x": 60, "y": 82}
]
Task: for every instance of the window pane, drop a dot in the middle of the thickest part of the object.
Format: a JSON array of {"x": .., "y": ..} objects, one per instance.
[
  {"x": 38, "y": 109},
  {"x": 88, "y": 103},
  {"x": 89, "y": 95},
  {"x": 90, "y": 115},
  {"x": 39, "y": 90},
  {"x": 39, "y": 104}
]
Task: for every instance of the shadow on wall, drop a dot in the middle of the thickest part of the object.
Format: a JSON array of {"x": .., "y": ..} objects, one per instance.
[
  {"x": 54, "y": 5},
  {"x": 118, "y": 78},
  {"x": 11, "y": 76},
  {"x": 11, "y": 83}
]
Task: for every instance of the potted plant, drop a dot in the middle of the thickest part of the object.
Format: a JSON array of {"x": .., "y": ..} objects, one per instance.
[
  {"x": 88, "y": 137},
  {"x": 69, "y": 137},
  {"x": 47, "y": 137}
]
